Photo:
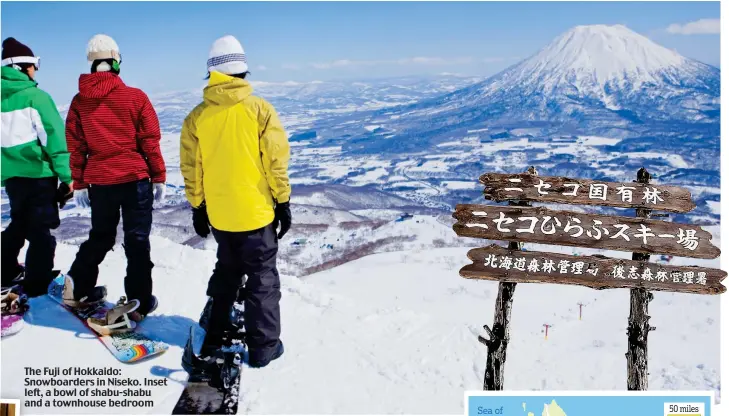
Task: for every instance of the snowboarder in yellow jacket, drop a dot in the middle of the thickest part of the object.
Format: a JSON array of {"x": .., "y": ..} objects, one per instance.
[{"x": 234, "y": 156}]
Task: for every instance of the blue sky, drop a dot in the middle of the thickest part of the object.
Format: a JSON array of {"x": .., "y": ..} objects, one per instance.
[{"x": 164, "y": 45}]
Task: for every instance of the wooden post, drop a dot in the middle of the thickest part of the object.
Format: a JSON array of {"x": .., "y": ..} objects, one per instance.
[
  {"x": 638, "y": 326},
  {"x": 581, "y": 305},
  {"x": 499, "y": 335}
]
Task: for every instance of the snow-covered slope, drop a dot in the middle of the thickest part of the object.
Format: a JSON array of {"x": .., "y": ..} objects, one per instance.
[{"x": 397, "y": 327}]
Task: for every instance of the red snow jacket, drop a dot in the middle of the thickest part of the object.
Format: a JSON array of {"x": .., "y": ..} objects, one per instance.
[{"x": 112, "y": 133}]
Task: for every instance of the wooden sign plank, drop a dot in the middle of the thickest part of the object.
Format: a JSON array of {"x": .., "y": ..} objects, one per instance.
[
  {"x": 525, "y": 187},
  {"x": 597, "y": 272},
  {"x": 542, "y": 225}
]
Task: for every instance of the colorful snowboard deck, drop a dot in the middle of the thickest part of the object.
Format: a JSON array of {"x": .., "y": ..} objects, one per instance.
[
  {"x": 126, "y": 347},
  {"x": 11, "y": 324}
]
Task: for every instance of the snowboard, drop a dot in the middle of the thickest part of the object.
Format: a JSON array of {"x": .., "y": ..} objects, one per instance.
[
  {"x": 126, "y": 347},
  {"x": 11, "y": 324},
  {"x": 213, "y": 386}
]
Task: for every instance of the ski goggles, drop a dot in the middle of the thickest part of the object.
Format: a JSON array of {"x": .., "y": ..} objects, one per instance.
[
  {"x": 35, "y": 60},
  {"x": 94, "y": 56}
]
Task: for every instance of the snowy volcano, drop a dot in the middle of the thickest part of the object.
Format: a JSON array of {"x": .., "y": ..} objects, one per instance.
[
  {"x": 605, "y": 80},
  {"x": 591, "y": 71},
  {"x": 593, "y": 59}
]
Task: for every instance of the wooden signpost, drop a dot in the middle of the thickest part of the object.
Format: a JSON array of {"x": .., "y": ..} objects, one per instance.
[
  {"x": 525, "y": 187},
  {"x": 542, "y": 225},
  {"x": 518, "y": 266},
  {"x": 519, "y": 223}
]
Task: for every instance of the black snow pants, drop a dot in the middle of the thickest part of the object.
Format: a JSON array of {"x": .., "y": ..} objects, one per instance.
[
  {"x": 251, "y": 254},
  {"x": 33, "y": 214},
  {"x": 134, "y": 199}
]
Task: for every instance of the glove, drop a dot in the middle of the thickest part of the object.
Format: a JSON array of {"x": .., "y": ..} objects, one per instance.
[
  {"x": 200, "y": 220},
  {"x": 282, "y": 215},
  {"x": 63, "y": 194},
  {"x": 159, "y": 191},
  {"x": 81, "y": 197}
]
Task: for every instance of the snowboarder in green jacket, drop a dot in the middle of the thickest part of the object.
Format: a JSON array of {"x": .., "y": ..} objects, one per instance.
[{"x": 34, "y": 159}]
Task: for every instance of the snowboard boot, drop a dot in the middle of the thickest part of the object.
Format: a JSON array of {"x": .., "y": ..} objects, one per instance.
[
  {"x": 97, "y": 295},
  {"x": 34, "y": 287},
  {"x": 13, "y": 303},
  {"x": 17, "y": 278},
  {"x": 139, "y": 315},
  {"x": 255, "y": 360},
  {"x": 211, "y": 345},
  {"x": 117, "y": 319}
]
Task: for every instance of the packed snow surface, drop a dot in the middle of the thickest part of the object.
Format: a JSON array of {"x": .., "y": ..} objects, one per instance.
[{"x": 398, "y": 327}]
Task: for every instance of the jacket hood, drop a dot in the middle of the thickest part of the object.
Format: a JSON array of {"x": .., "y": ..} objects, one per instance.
[
  {"x": 14, "y": 81},
  {"x": 98, "y": 84},
  {"x": 226, "y": 90}
]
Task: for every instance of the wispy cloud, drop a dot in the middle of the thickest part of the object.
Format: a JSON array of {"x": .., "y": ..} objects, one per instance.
[
  {"x": 698, "y": 27},
  {"x": 291, "y": 66},
  {"x": 417, "y": 60},
  {"x": 261, "y": 67}
]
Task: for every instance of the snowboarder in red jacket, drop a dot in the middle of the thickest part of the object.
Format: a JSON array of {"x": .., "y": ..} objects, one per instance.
[{"x": 113, "y": 135}]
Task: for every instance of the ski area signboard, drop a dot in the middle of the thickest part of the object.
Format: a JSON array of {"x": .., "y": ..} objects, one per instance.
[
  {"x": 519, "y": 223},
  {"x": 525, "y": 187},
  {"x": 542, "y": 225},
  {"x": 597, "y": 272}
]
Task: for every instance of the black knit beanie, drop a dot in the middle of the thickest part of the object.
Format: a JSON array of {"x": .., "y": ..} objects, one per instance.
[{"x": 13, "y": 49}]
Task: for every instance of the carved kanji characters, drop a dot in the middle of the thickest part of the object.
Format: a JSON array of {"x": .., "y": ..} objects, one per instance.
[
  {"x": 626, "y": 193},
  {"x": 652, "y": 196},
  {"x": 505, "y": 262},
  {"x": 577, "y": 267},
  {"x": 491, "y": 261},
  {"x": 598, "y": 191},
  {"x": 618, "y": 272},
  {"x": 633, "y": 273},
  {"x": 688, "y": 239},
  {"x": 520, "y": 264},
  {"x": 647, "y": 275},
  {"x": 548, "y": 266}
]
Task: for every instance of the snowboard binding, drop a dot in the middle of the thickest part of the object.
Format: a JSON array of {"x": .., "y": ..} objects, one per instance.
[
  {"x": 13, "y": 303},
  {"x": 219, "y": 361},
  {"x": 96, "y": 297},
  {"x": 220, "y": 368},
  {"x": 116, "y": 320}
]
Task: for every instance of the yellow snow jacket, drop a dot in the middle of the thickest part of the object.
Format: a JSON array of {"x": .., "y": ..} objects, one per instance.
[{"x": 234, "y": 155}]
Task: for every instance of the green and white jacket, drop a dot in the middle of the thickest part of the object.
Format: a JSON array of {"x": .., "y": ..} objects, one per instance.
[{"x": 33, "y": 134}]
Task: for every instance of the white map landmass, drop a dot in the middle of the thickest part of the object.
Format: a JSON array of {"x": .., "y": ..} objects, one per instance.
[{"x": 551, "y": 409}]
